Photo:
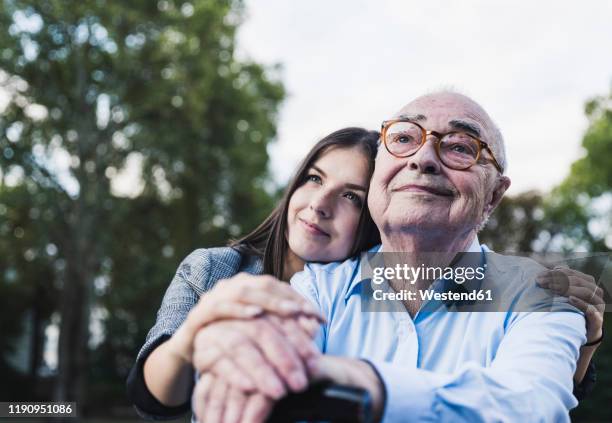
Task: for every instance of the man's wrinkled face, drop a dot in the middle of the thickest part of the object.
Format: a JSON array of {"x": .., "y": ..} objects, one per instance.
[{"x": 418, "y": 193}]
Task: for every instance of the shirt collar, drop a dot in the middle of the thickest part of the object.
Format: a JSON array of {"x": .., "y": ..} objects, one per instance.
[
  {"x": 356, "y": 281},
  {"x": 475, "y": 246}
]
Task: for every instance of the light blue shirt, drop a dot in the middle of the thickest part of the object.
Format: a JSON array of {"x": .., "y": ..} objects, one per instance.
[{"x": 511, "y": 366}]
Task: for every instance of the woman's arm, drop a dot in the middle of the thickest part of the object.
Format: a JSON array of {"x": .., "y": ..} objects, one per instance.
[
  {"x": 168, "y": 371},
  {"x": 594, "y": 320},
  {"x": 586, "y": 354},
  {"x": 178, "y": 301},
  {"x": 585, "y": 295}
]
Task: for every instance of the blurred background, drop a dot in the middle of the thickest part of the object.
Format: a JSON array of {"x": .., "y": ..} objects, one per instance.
[{"x": 134, "y": 132}]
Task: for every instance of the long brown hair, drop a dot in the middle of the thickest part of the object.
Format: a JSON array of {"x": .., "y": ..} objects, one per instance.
[{"x": 269, "y": 239}]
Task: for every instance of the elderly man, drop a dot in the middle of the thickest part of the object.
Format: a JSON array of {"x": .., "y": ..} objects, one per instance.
[{"x": 437, "y": 179}]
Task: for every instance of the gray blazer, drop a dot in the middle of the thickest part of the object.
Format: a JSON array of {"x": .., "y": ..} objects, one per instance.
[{"x": 196, "y": 274}]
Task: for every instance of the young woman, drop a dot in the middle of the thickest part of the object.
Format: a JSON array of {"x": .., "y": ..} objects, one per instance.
[{"x": 322, "y": 217}]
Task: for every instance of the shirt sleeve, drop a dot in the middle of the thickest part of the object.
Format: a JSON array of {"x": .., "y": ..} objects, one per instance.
[
  {"x": 530, "y": 378},
  {"x": 144, "y": 401},
  {"x": 180, "y": 297},
  {"x": 305, "y": 284}
]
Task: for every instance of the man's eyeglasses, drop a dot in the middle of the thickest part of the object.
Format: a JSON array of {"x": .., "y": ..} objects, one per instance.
[{"x": 457, "y": 150}]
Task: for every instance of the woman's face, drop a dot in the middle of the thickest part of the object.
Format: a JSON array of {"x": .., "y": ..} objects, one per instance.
[{"x": 324, "y": 211}]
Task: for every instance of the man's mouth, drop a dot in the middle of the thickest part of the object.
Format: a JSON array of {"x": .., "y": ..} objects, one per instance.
[
  {"x": 426, "y": 189},
  {"x": 313, "y": 228}
]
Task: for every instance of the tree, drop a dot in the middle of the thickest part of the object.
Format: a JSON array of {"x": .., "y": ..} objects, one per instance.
[
  {"x": 582, "y": 204},
  {"x": 516, "y": 223},
  {"x": 577, "y": 214},
  {"x": 98, "y": 88},
  {"x": 26, "y": 268},
  {"x": 574, "y": 216}
]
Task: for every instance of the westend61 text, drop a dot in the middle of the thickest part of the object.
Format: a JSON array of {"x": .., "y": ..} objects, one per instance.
[{"x": 428, "y": 295}]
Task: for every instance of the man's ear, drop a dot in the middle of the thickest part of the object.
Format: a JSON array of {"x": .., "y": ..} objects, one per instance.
[{"x": 501, "y": 185}]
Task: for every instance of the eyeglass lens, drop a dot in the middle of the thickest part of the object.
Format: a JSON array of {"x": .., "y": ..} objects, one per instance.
[{"x": 456, "y": 150}]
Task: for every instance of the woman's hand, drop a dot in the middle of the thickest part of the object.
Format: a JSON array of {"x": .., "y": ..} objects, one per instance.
[
  {"x": 583, "y": 294},
  {"x": 267, "y": 354},
  {"x": 247, "y": 365},
  {"x": 243, "y": 296}
]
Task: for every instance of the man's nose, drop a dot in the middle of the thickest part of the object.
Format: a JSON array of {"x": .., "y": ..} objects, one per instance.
[
  {"x": 426, "y": 160},
  {"x": 321, "y": 203}
]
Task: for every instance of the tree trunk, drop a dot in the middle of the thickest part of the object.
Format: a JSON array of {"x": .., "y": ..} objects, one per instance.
[
  {"x": 38, "y": 334},
  {"x": 74, "y": 334}
]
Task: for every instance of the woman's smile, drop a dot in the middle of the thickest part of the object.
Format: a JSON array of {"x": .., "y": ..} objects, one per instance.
[
  {"x": 324, "y": 211},
  {"x": 313, "y": 228}
]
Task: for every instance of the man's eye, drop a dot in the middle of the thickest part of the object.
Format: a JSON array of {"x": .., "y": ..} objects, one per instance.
[
  {"x": 404, "y": 139},
  {"x": 463, "y": 149}
]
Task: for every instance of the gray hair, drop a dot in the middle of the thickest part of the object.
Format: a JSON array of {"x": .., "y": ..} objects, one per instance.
[{"x": 499, "y": 140}]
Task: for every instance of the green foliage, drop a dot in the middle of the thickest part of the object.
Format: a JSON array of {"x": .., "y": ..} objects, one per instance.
[
  {"x": 575, "y": 216},
  {"x": 593, "y": 172},
  {"x": 583, "y": 204},
  {"x": 516, "y": 223},
  {"x": 27, "y": 289},
  {"x": 96, "y": 85}
]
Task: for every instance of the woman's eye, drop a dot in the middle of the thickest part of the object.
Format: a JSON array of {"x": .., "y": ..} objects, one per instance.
[
  {"x": 353, "y": 197},
  {"x": 313, "y": 178}
]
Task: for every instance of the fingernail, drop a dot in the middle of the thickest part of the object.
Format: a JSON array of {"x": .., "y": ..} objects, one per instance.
[
  {"x": 310, "y": 326},
  {"x": 276, "y": 388},
  {"x": 289, "y": 306},
  {"x": 298, "y": 381},
  {"x": 246, "y": 384},
  {"x": 252, "y": 310},
  {"x": 316, "y": 323},
  {"x": 309, "y": 308}
]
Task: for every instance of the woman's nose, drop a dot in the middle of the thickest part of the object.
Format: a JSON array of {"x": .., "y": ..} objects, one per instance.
[{"x": 321, "y": 204}]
